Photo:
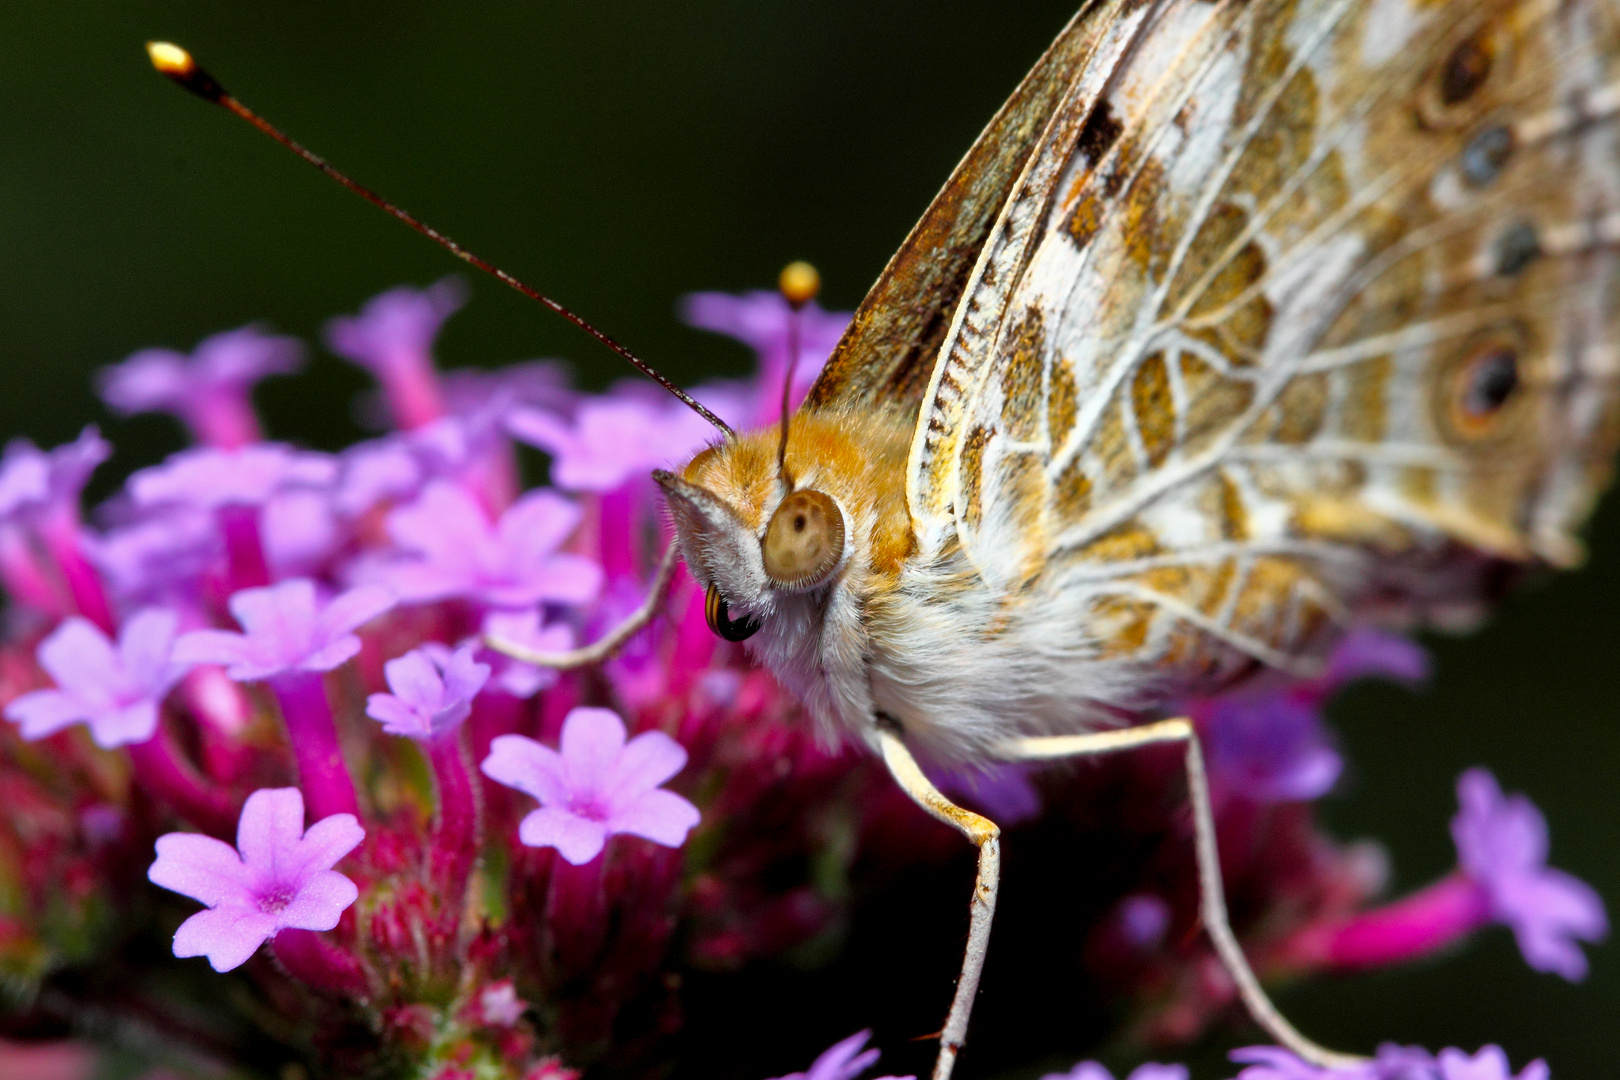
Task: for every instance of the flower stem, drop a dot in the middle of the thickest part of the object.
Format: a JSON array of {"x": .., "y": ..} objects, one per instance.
[
  {"x": 166, "y": 776},
  {"x": 314, "y": 960},
  {"x": 61, "y": 535},
  {"x": 1414, "y": 926},
  {"x": 459, "y": 830},
  {"x": 225, "y": 418},
  {"x": 322, "y": 772},
  {"x": 244, "y": 547}
]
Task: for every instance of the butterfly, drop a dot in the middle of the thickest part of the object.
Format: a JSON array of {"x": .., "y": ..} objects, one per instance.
[{"x": 1243, "y": 323}]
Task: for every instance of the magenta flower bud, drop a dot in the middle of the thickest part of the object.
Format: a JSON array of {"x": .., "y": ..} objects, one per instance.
[
  {"x": 596, "y": 786},
  {"x": 392, "y": 337},
  {"x": 210, "y": 390},
  {"x": 277, "y": 877}
]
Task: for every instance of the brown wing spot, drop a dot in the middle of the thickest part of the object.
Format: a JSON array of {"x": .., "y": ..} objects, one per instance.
[
  {"x": 1214, "y": 402},
  {"x": 1097, "y": 136},
  {"x": 1144, "y": 226},
  {"x": 1365, "y": 413},
  {"x": 1477, "y": 389},
  {"x": 1300, "y": 409},
  {"x": 1021, "y": 366},
  {"x": 1121, "y": 624},
  {"x": 1282, "y": 145},
  {"x": 1264, "y": 599},
  {"x": 1117, "y": 464},
  {"x": 1214, "y": 586},
  {"x": 1234, "y": 513},
  {"x": 1087, "y": 217},
  {"x": 1063, "y": 404},
  {"x": 1127, "y": 540},
  {"x": 1155, "y": 407},
  {"x": 973, "y": 474},
  {"x": 1466, "y": 69},
  {"x": 1071, "y": 495},
  {"x": 1219, "y": 230}
]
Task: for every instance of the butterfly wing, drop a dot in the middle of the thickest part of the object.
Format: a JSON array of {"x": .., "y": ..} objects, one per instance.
[
  {"x": 1317, "y": 316},
  {"x": 885, "y": 357}
]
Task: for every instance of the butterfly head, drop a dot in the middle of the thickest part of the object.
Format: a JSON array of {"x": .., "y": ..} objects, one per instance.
[{"x": 780, "y": 550}]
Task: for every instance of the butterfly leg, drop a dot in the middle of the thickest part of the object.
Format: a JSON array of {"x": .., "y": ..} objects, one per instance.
[
  {"x": 607, "y": 644},
  {"x": 1213, "y": 893},
  {"x": 986, "y": 836}
]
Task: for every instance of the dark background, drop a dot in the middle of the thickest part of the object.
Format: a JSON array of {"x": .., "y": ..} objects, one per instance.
[{"x": 621, "y": 154}]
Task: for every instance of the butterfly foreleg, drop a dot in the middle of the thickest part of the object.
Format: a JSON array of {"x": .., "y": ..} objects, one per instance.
[
  {"x": 1212, "y": 891},
  {"x": 608, "y": 643},
  {"x": 986, "y": 836}
]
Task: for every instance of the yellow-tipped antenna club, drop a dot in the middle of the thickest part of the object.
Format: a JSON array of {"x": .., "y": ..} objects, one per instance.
[
  {"x": 180, "y": 67},
  {"x": 799, "y": 282}
]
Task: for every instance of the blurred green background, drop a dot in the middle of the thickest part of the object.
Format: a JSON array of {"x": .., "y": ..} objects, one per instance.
[{"x": 620, "y": 154}]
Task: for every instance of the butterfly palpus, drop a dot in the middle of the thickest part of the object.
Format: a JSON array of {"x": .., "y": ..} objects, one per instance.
[{"x": 1243, "y": 323}]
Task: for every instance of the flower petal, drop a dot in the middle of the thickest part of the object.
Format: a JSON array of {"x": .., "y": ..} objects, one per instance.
[
  {"x": 397, "y": 717},
  {"x": 227, "y": 936},
  {"x": 269, "y": 830},
  {"x": 519, "y": 762},
  {"x": 320, "y": 903},
  {"x": 201, "y": 867},
  {"x": 328, "y": 841},
  {"x": 661, "y": 816},
  {"x": 352, "y": 610},
  {"x": 122, "y": 727},
  {"x": 577, "y": 839},
  {"x": 81, "y": 659},
  {"x": 39, "y": 713},
  {"x": 647, "y": 761},
  {"x": 592, "y": 740}
]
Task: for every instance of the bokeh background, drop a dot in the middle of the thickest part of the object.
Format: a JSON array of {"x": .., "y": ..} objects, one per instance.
[{"x": 620, "y": 154}]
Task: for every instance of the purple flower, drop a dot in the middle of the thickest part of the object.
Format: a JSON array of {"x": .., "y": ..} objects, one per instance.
[
  {"x": 287, "y": 630},
  {"x": 278, "y": 877},
  {"x": 597, "y": 786},
  {"x": 116, "y": 690},
  {"x": 527, "y": 630},
  {"x": 1003, "y": 791},
  {"x": 760, "y": 320},
  {"x": 301, "y": 532},
  {"x": 393, "y": 338},
  {"x": 34, "y": 482},
  {"x": 158, "y": 556},
  {"x": 210, "y": 478},
  {"x": 432, "y": 689},
  {"x": 1392, "y": 1062},
  {"x": 456, "y": 552},
  {"x": 499, "y": 1005},
  {"x": 1090, "y": 1070},
  {"x": 612, "y": 439},
  {"x": 210, "y": 389},
  {"x": 1502, "y": 846},
  {"x": 843, "y": 1060}
]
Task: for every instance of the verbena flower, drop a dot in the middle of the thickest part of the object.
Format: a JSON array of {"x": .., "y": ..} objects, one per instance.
[
  {"x": 210, "y": 478},
  {"x": 277, "y": 877},
  {"x": 432, "y": 692},
  {"x": 453, "y": 550},
  {"x": 393, "y": 338},
  {"x": 115, "y": 689},
  {"x": 1502, "y": 847},
  {"x": 762, "y": 321},
  {"x": 210, "y": 389},
  {"x": 843, "y": 1060},
  {"x": 286, "y": 628},
  {"x": 35, "y": 482},
  {"x": 1091, "y": 1070},
  {"x": 527, "y": 630},
  {"x": 1392, "y": 1062},
  {"x": 596, "y": 786},
  {"x": 611, "y": 440}
]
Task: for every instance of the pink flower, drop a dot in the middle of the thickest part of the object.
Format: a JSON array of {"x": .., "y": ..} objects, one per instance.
[
  {"x": 278, "y": 877},
  {"x": 843, "y": 1060},
  {"x": 433, "y": 690},
  {"x": 116, "y": 690},
  {"x": 1502, "y": 846},
  {"x": 210, "y": 389},
  {"x": 393, "y": 338},
  {"x": 612, "y": 439},
  {"x": 287, "y": 629},
  {"x": 597, "y": 786},
  {"x": 210, "y": 478},
  {"x": 528, "y": 630},
  {"x": 35, "y": 481},
  {"x": 454, "y": 551},
  {"x": 1391, "y": 1063},
  {"x": 760, "y": 319}
]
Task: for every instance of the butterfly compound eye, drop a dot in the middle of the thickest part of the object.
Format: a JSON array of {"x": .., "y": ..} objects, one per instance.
[
  {"x": 721, "y": 622},
  {"x": 804, "y": 540}
]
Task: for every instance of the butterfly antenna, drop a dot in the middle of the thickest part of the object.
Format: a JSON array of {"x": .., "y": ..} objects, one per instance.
[
  {"x": 176, "y": 63},
  {"x": 799, "y": 283}
]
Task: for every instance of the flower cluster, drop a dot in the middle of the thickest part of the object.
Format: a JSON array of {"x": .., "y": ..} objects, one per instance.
[{"x": 257, "y": 679}]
